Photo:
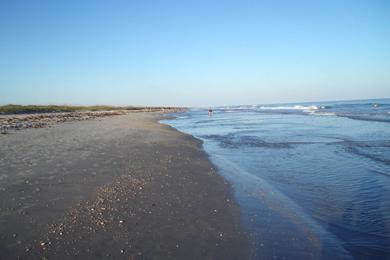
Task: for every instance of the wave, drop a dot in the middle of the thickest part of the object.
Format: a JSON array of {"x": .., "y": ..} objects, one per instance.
[
  {"x": 359, "y": 111},
  {"x": 373, "y": 150},
  {"x": 323, "y": 113},
  {"x": 296, "y": 107},
  {"x": 257, "y": 107},
  {"x": 235, "y": 142},
  {"x": 372, "y": 117}
]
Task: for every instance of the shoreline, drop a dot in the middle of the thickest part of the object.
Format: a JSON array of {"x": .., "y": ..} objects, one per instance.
[{"x": 124, "y": 186}]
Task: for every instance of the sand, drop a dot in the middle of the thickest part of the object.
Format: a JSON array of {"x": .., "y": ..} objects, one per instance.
[{"x": 123, "y": 187}]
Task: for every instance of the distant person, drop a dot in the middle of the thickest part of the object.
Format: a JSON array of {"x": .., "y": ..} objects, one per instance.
[{"x": 210, "y": 112}]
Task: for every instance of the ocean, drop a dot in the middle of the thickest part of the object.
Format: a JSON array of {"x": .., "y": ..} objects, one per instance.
[{"x": 312, "y": 179}]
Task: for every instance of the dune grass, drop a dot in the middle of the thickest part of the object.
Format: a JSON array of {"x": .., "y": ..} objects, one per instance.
[
  {"x": 32, "y": 109},
  {"x": 20, "y": 109}
]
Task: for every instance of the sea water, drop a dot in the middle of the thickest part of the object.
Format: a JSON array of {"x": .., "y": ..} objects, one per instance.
[{"x": 312, "y": 179}]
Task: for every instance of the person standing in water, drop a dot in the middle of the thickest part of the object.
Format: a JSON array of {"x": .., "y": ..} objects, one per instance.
[{"x": 210, "y": 112}]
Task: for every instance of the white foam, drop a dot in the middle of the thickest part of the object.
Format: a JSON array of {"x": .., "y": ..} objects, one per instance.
[
  {"x": 297, "y": 107},
  {"x": 243, "y": 107},
  {"x": 324, "y": 113}
]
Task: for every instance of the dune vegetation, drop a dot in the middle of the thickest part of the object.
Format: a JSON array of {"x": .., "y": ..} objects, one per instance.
[{"x": 32, "y": 109}]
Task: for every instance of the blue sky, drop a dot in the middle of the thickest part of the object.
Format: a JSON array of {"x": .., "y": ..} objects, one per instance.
[{"x": 193, "y": 53}]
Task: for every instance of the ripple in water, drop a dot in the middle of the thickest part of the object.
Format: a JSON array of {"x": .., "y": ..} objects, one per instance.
[{"x": 313, "y": 180}]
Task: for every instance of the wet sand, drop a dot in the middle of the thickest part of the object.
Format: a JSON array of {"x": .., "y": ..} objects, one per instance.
[{"x": 123, "y": 187}]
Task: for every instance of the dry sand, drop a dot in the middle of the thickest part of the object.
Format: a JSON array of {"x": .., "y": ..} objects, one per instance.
[{"x": 122, "y": 187}]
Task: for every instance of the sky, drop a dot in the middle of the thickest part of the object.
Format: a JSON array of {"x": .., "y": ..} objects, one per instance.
[{"x": 193, "y": 53}]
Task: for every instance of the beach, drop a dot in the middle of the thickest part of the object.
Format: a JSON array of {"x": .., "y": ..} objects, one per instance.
[{"x": 123, "y": 187}]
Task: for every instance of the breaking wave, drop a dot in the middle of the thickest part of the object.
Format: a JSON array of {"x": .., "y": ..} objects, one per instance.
[{"x": 297, "y": 107}]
